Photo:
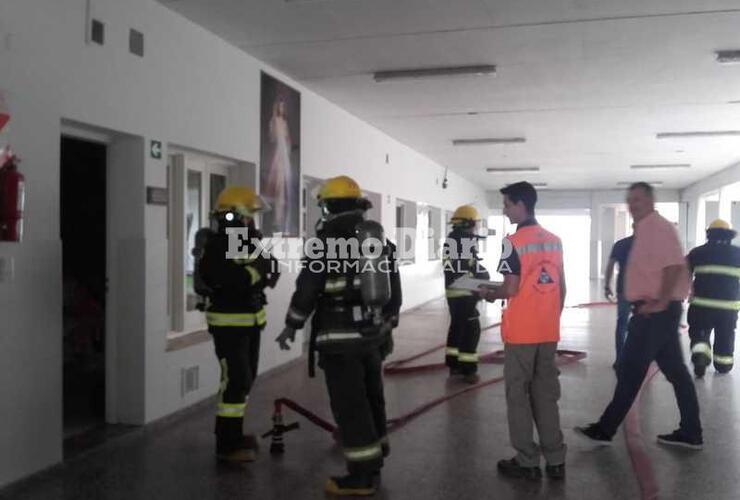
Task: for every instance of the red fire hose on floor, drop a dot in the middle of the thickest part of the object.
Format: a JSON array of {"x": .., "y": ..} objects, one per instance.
[{"x": 565, "y": 357}]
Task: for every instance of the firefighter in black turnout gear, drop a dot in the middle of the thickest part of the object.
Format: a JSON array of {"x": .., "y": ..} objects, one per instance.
[
  {"x": 460, "y": 258},
  {"x": 715, "y": 300},
  {"x": 355, "y": 304},
  {"x": 235, "y": 312}
]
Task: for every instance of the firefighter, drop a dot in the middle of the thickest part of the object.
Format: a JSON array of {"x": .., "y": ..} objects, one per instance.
[
  {"x": 235, "y": 312},
  {"x": 715, "y": 299},
  {"x": 355, "y": 311},
  {"x": 461, "y": 259}
]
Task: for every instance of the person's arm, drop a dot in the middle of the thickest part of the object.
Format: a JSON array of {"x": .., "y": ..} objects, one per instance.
[
  {"x": 608, "y": 293},
  {"x": 510, "y": 266},
  {"x": 563, "y": 289},
  {"x": 507, "y": 290},
  {"x": 670, "y": 277},
  {"x": 309, "y": 286}
]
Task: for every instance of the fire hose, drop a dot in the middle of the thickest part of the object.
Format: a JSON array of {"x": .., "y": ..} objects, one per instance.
[{"x": 279, "y": 428}]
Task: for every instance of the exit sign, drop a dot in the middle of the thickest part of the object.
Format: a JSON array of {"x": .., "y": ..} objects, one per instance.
[{"x": 155, "y": 150}]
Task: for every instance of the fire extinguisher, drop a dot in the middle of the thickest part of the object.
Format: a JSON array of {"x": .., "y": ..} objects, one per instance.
[{"x": 12, "y": 200}]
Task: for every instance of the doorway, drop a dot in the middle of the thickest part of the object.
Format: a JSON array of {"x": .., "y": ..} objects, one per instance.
[{"x": 83, "y": 233}]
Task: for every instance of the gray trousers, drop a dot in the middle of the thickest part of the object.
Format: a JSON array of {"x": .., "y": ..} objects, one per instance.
[{"x": 532, "y": 393}]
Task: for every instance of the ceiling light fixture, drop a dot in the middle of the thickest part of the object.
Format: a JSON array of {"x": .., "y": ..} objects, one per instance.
[
  {"x": 710, "y": 133},
  {"x": 535, "y": 184},
  {"x": 506, "y": 170},
  {"x": 488, "y": 141},
  {"x": 418, "y": 73},
  {"x": 660, "y": 166},
  {"x": 627, "y": 183},
  {"x": 728, "y": 56}
]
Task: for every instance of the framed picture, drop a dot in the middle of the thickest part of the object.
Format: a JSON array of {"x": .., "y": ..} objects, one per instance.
[{"x": 280, "y": 166}]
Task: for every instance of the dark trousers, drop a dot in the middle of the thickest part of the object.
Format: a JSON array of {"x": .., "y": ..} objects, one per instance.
[
  {"x": 237, "y": 350},
  {"x": 651, "y": 338},
  {"x": 702, "y": 320},
  {"x": 463, "y": 335},
  {"x": 620, "y": 334},
  {"x": 355, "y": 385}
]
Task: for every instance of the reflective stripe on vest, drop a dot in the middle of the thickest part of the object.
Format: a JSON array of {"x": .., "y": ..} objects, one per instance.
[
  {"x": 454, "y": 293},
  {"x": 715, "y": 269},
  {"x": 337, "y": 337},
  {"x": 237, "y": 319},
  {"x": 365, "y": 453},
  {"x": 539, "y": 247},
  {"x": 334, "y": 285},
  {"x": 728, "y": 305},
  {"x": 253, "y": 274},
  {"x": 452, "y": 351},
  {"x": 724, "y": 360}
]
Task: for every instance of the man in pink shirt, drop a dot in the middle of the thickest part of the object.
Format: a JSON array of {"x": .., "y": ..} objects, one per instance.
[{"x": 657, "y": 283}]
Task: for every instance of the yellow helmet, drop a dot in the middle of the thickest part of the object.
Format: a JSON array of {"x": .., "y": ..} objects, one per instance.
[
  {"x": 341, "y": 187},
  {"x": 465, "y": 213},
  {"x": 241, "y": 199},
  {"x": 720, "y": 224}
]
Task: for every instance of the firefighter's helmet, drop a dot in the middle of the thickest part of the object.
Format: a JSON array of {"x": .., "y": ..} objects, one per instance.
[
  {"x": 339, "y": 188},
  {"x": 720, "y": 224},
  {"x": 239, "y": 199},
  {"x": 465, "y": 213}
]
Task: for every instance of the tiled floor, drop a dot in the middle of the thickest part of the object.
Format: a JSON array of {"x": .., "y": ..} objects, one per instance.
[{"x": 448, "y": 453}]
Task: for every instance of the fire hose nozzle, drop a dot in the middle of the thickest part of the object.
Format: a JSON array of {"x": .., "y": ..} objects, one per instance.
[{"x": 277, "y": 445}]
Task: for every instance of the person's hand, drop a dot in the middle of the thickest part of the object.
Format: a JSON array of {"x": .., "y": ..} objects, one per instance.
[
  {"x": 652, "y": 306},
  {"x": 286, "y": 336},
  {"x": 608, "y": 293},
  {"x": 486, "y": 293}
]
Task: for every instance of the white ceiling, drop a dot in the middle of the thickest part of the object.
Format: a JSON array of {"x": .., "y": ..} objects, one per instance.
[{"x": 588, "y": 82}]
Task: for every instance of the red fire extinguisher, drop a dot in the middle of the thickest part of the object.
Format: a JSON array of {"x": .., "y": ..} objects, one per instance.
[{"x": 12, "y": 200}]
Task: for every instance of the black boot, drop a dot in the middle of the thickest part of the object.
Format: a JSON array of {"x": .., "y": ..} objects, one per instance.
[
  {"x": 363, "y": 485},
  {"x": 511, "y": 468}
]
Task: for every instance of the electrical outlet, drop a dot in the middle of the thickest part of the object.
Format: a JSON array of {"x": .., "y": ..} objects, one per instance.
[{"x": 189, "y": 380}]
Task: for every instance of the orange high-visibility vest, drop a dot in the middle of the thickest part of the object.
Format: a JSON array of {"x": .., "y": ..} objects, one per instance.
[{"x": 532, "y": 316}]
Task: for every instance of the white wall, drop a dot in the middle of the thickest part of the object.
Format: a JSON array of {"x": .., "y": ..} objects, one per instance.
[
  {"x": 693, "y": 194},
  {"x": 190, "y": 89}
]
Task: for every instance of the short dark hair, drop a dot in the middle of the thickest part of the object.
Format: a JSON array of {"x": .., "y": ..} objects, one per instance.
[
  {"x": 647, "y": 188},
  {"x": 521, "y": 191}
]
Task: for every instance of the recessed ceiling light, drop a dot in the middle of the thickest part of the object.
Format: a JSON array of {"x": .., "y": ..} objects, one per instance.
[
  {"x": 488, "y": 141},
  {"x": 660, "y": 166},
  {"x": 728, "y": 56},
  {"x": 505, "y": 170},
  {"x": 417, "y": 73},
  {"x": 535, "y": 184},
  {"x": 710, "y": 133},
  {"x": 627, "y": 183}
]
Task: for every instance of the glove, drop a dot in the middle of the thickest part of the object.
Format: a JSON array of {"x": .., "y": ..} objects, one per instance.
[
  {"x": 287, "y": 335},
  {"x": 386, "y": 349}
]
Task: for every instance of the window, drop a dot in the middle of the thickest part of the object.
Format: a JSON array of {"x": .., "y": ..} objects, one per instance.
[
  {"x": 406, "y": 231},
  {"x": 195, "y": 181},
  {"x": 435, "y": 234},
  {"x": 193, "y": 222}
]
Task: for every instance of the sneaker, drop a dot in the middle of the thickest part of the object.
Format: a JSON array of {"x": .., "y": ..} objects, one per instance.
[
  {"x": 471, "y": 378},
  {"x": 555, "y": 472},
  {"x": 678, "y": 438},
  {"x": 352, "y": 485},
  {"x": 594, "y": 434},
  {"x": 511, "y": 468}
]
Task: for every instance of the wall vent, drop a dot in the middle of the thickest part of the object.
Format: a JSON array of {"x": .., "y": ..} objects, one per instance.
[{"x": 189, "y": 380}]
